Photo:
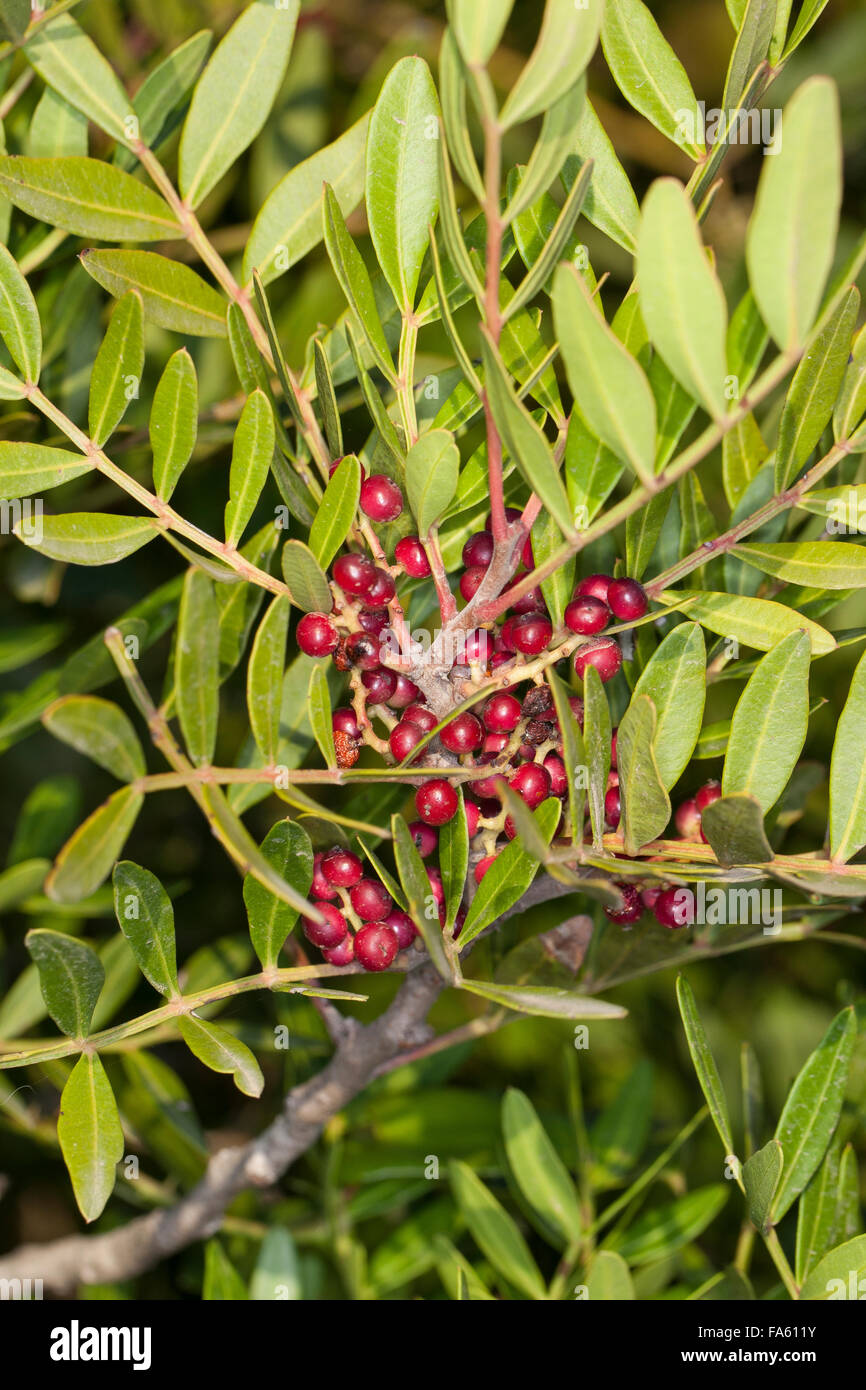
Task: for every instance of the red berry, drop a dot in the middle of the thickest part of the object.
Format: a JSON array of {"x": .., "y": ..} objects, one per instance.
[
  {"x": 477, "y": 646},
  {"x": 403, "y": 738},
  {"x": 328, "y": 933},
  {"x": 376, "y": 946},
  {"x": 632, "y": 907},
  {"x": 320, "y": 887},
  {"x": 675, "y": 907},
  {"x": 627, "y": 600},
  {"x": 383, "y": 588},
  {"x": 405, "y": 692},
  {"x": 612, "y": 807},
  {"x": 710, "y": 791},
  {"x": 336, "y": 464},
  {"x": 374, "y": 620},
  {"x": 501, "y": 714},
  {"x": 532, "y": 602},
  {"x": 605, "y": 655},
  {"x": 316, "y": 635},
  {"x": 526, "y": 554},
  {"x": 425, "y": 837},
  {"x": 381, "y": 499},
  {"x": 410, "y": 553},
  {"x": 464, "y": 734},
  {"x": 688, "y": 820},
  {"x": 532, "y": 784},
  {"x": 506, "y": 634},
  {"x": 482, "y": 866},
  {"x": 587, "y": 615},
  {"x": 595, "y": 584},
  {"x": 403, "y": 927},
  {"x": 649, "y": 897},
  {"x": 436, "y": 802},
  {"x": 341, "y": 867},
  {"x": 473, "y": 815},
  {"x": 355, "y": 574},
  {"x": 436, "y": 887},
  {"x": 494, "y": 743},
  {"x": 344, "y": 721},
  {"x": 362, "y": 651},
  {"x": 343, "y": 953},
  {"x": 612, "y": 744},
  {"x": 371, "y": 900},
  {"x": 470, "y": 581},
  {"x": 512, "y": 514},
  {"x": 420, "y": 715},
  {"x": 478, "y": 550},
  {"x": 558, "y": 775},
  {"x": 531, "y": 633},
  {"x": 379, "y": 684}
]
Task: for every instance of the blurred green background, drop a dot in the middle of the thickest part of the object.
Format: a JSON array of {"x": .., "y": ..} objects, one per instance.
[{"x": 356, "y": 1189}]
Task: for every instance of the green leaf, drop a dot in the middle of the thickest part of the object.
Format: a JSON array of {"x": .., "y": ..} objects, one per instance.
[
  {"x": 558, "y": 588},
  {"x": 509, "y": 876},
  {"x": 70, "y": 976},
  {"x": 814, "y": 391},
  {"x": 675, "y": 681},
  {"x": 610, "y": 203},
  {"x": 743, "y": 453},
  {"x": 642, "y": 531},
  {"x": 173, "y": 422},
  {"x": 453, "y": 90},
  {"x": 319, "y": 707},
  {"x": 432, "y": 468},
  {"x": 289, "y": 223},
  {"x": 495, "y": 1232},
  {"x": 453, "y": 852},
  {"x": 609, "y": 387},
  {"x": 416, "y": 886},
  {"x": 196, "y": 667},
  {"x": 116, "y": 373},
  {"x": 355, "y": 282},
  {"x": 70, "y": 62},
  {"x": 754, "y": 622},
  {"x": 159, "y": 100},
  {"x": 287, "y": 849},
  {"x": 840, "y": 1271},
  {"x": 306, "y": 580},
  {"x": 91, "y": 1139},
  {"x": 810, "y": 13},
  {"x": 544, "y": 1001},
  {"x": 761, "y": 1174},
  {"x": 252, "y": 451},
  {"x": 768, "y": 728},
  {"x": 747, "y": 340},
  {"x": 734, "y": 827},
  {"x": 146, "y": 917},
  {"x": 525, "y": 440},
  {"x": 336, "y": 511},
  {"x": 817, "y": 1215},
  {"x": 86, "y": 197},
  {"x": 221, "y": 1282},
  {"x": 646, "y": 807},
  {"x": 596, "y": 738},
  {"x": 86, "y": 860},
  {"x": 277, "y": 1274},
  {"x": 56, "y": 129},
  {"x": 753, "y": 41},
  {"x": 826, "y": 564},
  {"x": 173, "y": 295},
  {"x": 15, "y": 15},
  {"x": 554, "y": 143},
  {"x": 100, "y": 730},
  {"x": 566, "y": 42},
  {"x": 558, "y": 245},
  {"x": 265, "y": 677},
  {"x": 851, "y": 404},
  {"x": 682, "y": 302},
  {"x": 666, "y": 1229},
  {"x": 87, "y": 538},
  {"x": 20, "y": 328},
  {"x": 402, "y": 177},
  {"x": 222, "y": 1052},
  {"x": 234, "y": 94},
  {"x": 792, "y": 231},
  {"x": 704, "y": 1064},
  {"x": 848, "y": 773},
  {"x": 327, "y": 395},
  {"x": 540, "y": 1173},
  {"x": 26, "y": 469},
  {"x": 619, "y": 1135},
  {"x": 478, "y": 27},
  {"x": 608, "y": 1280},
  {"x": 649, "y": 74},
  {"x": 812, "y": 1110}
]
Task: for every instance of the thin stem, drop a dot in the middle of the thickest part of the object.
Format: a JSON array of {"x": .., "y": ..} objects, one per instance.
[
  {"x": 777, "y": 1255},
  {"x": 169, "y": 518},
  {"x": 492, "y": 314},
  {"x": 406, "y": 378}
]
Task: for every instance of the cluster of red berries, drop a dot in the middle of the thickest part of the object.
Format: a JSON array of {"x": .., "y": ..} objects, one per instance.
[{"x": 370, "y": 928}]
